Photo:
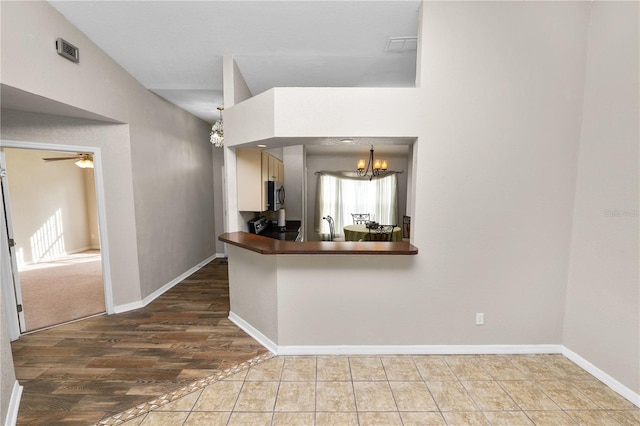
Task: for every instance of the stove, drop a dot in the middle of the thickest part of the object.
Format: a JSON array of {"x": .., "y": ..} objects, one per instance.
[{"x": 261, "y": 226}]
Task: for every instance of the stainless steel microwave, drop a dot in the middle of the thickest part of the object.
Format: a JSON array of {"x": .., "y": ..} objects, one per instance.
[{"x": 275, "y": 191}]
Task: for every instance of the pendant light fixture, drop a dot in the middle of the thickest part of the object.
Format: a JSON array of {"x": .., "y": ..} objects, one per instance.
[
  {"x": 217, "y": 132},
  {"x": 372, "y": 168}
]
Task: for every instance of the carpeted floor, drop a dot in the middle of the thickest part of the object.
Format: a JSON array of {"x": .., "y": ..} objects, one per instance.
[{"x": 62, "y": 290}]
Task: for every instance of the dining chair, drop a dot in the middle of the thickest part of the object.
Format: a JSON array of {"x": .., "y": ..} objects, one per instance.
[
  {"x": 332, "y": 229},
  {"x": 381, "y": 233},
  {"x": 360, "y": 218},
  {"x": 406, "y": 227}
]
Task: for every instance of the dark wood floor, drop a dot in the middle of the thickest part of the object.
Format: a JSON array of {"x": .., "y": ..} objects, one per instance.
[{"x": 83, "y": 372}]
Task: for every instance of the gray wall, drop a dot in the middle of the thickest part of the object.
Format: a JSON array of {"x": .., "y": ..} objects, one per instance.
[
  {"x": 170, "y": 164},
  {"x": 602, "y": 321}
]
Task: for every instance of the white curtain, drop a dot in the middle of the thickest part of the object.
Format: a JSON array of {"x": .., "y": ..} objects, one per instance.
[{"x": 339, "y": 195}]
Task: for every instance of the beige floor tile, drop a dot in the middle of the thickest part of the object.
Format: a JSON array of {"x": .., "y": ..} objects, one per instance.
[
  {"x": 500, "y": 367},
  {"x": 564, "y": 368},
  {"x": 185, "y": 403},
  {"x": 508, "y": 418},
  {"x": 333, "y": 419},
  {"x": 412, "y": 396},
  {"x": 489, "y": 396},
  {"x": 257, "y": 396},
  {"x": 333, "y": 368},
  {"x": 269, "y": 370},
  {"x": 299, "y": 369},
  {"x": 451, "y": 396},
  {"x": 163, "y": 418},
  {"x": 296, "y": 396},
  {"x": 467, "y": 367},
  {"x": 379, "y": 419},
  {"x": 374, "y": 396},
  {"x": 239, "y": 376},
  {"x": 550, "y": 418},
  {"x": 400, "y": 368},
  {"x": 533, "y": 367},
  {"x": 433, "y": 368},
  {"x": 250, "y": 419},
  {"x": 428, "y": 418},
  {"x": 219, "y": 396},
  {"x": 626, "y": 418},
  {"x": 367, "y": 369},
  {"x": 208, "y": 418},
  {"x": 335, "y": 396},
  {"x": 529, "y": 396},
  {"x": 293, "y": 419},
  {"x": 135, "y": 421},
  {"x": 603, "y": 395},
  {"x": 593, "y": 418},
  {"x": 566, "y": 395},
  {"x": 465, "y": 418}
]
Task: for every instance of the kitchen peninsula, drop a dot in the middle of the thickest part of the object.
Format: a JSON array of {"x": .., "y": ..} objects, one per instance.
[
  {"x": 263, "y": 245},
  {"x": 292, "y": 296}
]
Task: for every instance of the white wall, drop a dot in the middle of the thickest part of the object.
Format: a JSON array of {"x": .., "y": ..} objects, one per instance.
[
  {"x": 7, "y": 371},
  {"x": 497, "y": 121},
  {"x": 113, "y": 141},
  {"x": 92, "y": 208},
  {"x": 602, "y": 321},
  {"x": 49, "y": 204},
  {"x": 293, "y": 160}
]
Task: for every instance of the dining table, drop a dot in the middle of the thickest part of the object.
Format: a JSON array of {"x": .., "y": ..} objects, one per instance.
[{"x": 357, "y": 232}]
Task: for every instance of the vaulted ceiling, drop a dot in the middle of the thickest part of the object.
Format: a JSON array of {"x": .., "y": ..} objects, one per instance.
[{"x": 175, "y": 48}]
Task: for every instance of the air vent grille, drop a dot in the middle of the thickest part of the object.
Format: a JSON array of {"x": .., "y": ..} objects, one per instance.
[
  {"x": 68, "y": 50},
  {"x": 402, "y": 44}
]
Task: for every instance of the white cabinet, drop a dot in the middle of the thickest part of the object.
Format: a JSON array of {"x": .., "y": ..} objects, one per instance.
[{"x": 255, "y": 168}]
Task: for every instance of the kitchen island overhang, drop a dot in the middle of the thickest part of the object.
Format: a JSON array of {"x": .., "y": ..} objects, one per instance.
[
  {"x": 303, "y": 296},
  {"x": 270, "y": 246}
]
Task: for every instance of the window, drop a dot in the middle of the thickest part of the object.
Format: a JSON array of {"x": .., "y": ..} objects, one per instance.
[{"x": 339, "y": 196}]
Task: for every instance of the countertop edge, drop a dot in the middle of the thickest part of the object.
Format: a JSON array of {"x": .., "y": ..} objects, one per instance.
[{"x": 270, "y": 246}]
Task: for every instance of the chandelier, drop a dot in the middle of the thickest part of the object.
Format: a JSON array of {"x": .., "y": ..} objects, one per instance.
[
  {"x": 217, "y": 132},
  {"x": 372, "y": 168}
]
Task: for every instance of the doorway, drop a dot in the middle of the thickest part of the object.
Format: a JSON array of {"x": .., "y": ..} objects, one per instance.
[{"x": 55, "y": 227}]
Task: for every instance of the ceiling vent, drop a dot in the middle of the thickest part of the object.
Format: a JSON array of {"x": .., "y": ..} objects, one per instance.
[
  {"x": 401, "y": 44},
  {"x": 68, "y": 50}
]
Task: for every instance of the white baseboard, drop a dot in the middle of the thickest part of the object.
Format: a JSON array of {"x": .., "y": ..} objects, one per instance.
[
  {"x": 118, "y": 309},
  {"x": 614, "y": 384},
  {"x": 14, "y": 404},
  {"x": 418, "y": 349},
  {"x": 253, "y": 332}
]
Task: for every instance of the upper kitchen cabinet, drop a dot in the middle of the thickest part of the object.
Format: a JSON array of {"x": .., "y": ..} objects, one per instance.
[{"x": 255, "y": 168}]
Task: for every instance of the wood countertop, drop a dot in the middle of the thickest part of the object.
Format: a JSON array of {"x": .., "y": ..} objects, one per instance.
[{"x": 264, "y": 245}]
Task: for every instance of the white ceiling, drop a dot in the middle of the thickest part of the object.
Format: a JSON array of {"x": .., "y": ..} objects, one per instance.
[{"x": 175, "y": 48}]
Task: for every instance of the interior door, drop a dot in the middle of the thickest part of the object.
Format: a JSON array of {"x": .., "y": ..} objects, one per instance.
[{"x": 12, "y": 294}]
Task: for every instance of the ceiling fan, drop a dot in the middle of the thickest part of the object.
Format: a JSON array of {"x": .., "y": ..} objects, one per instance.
[{"x": 83, "y": 160}]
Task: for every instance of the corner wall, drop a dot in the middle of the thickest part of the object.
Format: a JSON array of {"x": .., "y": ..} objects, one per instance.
[
  {"x": 169, "y": 164},
  {"x": 602, "y": 321}
]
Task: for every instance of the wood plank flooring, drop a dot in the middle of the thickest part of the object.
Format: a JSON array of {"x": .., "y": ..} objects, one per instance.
[{"x": 82, "y": 372}]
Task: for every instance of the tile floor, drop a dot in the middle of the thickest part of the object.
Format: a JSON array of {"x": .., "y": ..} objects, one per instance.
[{"x": 401, "y": 390}]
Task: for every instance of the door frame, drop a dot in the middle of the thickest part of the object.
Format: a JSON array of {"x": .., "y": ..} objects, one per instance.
[
  {"x": 11, "y": 292},
  {"x": 102, "y": 221}
]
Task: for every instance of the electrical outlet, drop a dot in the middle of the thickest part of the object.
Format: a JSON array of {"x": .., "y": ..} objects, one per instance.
[{"x": 480, "y": 318}]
